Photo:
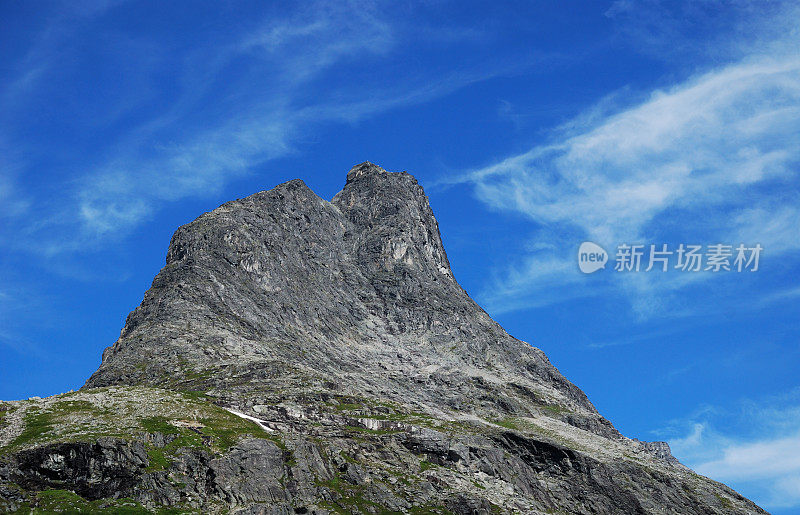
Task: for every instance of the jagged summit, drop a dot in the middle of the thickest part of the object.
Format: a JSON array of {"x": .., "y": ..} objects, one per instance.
[
  {"x": 358, "y": 290},
  {"x": 391, "y": 210},
  {"x": 368, "y": 169},
  {"x": 296, "y": 355},
  {"x": 364, "y": 169}
]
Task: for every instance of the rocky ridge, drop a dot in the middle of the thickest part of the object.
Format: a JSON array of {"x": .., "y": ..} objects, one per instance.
[{"x": 331, "y": 364}]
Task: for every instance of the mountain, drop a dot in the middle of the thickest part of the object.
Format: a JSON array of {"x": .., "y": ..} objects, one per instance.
[{"x": 303, "y": 356}]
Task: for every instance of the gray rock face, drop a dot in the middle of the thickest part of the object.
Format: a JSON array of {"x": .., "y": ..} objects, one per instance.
[
  {"x": 356, "y": 292},
  {"x": 660, "y": 450},
  {"x": 377, "y": 384}
]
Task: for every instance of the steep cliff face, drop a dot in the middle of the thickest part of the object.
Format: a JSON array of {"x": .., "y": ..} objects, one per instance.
[
  {"x": 303, "y": 356},
  {"x": 355, "y": 296}
]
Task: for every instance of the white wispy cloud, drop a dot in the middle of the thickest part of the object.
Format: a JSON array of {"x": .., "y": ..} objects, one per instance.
[
  {"x": 319, "y": 36},
  {"x": 765, "y": 464},
  {"x": 12, "y": 201},
  {"x": 239, "y": 103},
  {"x": 716, "y": 147},
  {"x": 678, "y": 30},
  {"x": 196, "y": 161},
  {"x": 756, "y": 460},
  {"x": 691, "y": 145},
  {"x": 16, "y": 302}
]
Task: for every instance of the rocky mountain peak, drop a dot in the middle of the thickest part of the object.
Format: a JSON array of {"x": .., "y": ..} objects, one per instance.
[
  {"x": 352, "y": 295},
  {"x": 393, "y": 221},
  {"x": 363, "y": 170},
  {"x": 296, "y": 355}
]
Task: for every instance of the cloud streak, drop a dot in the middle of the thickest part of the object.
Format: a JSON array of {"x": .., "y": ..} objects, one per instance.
[
  {"x": 238, "y": 104},
  {"x": 717, "y": 148},
  {"x": 295, "y": 52},
  {"x": 766, "y": 464}
]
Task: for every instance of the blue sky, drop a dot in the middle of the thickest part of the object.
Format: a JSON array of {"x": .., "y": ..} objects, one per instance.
[{"x": 534, "y": 126}]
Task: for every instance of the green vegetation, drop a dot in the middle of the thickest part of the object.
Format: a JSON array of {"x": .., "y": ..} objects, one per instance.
[
  {"x": 478, "y": 485},
  {"x": 195, "y": 395},
  {"x": 4, "y": 411},
  {"x": 350, "y": 499},
  {"x": 508, "y": 423},
  {"x": 36, "y": 424},
  {"x": 348, "y": 458},
  {"x": 425, "y": 465},
  {"x": 87, "y": 415},
  {"x": 197, "y": 375},
  {"x": 347, "y": 406},
  {"x": 217, "y": 431},
  {"x": 39, "y": 422},
  {"x": 554, "y": 410},
  {"x": 394, "y": 412},
  {"x": 78, "y": 406},
  {"x": 64, "y": 501},
  {"x": 726, "y": 503},
  {"x": 157, "y": 458},
  {"x": 42, "y": 424}
]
